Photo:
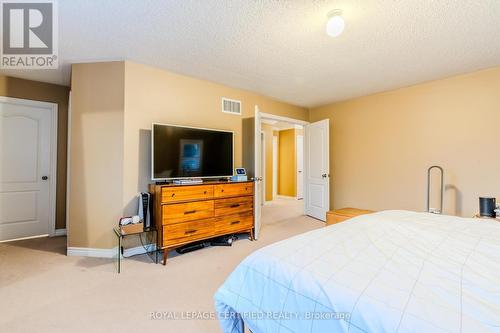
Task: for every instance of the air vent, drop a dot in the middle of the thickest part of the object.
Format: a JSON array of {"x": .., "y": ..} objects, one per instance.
[{"x": 231, "y": 106}]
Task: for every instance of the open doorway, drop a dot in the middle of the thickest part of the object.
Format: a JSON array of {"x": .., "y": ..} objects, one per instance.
[
  {"x": 315, "y": 183},
  {"x": 282, "y": 171}
]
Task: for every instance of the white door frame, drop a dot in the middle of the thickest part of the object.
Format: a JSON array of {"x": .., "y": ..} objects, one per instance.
[
  {"x": 53, "y": 153},
  {"x": 275, "y": 166},
  {"x": 263, "y": 165},
  {"x": 257, "y": 170},
  {"x": 295, "y": 122}
]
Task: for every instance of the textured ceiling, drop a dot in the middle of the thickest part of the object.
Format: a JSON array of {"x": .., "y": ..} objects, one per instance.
[{"x": 279, "y": 48}]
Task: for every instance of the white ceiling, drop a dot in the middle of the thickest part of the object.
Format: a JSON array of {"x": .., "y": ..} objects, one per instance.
[{"x": 279, "y": 48}]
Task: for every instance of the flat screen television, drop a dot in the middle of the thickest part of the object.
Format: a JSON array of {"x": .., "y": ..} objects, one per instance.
[{"x": 179, "y": 152}]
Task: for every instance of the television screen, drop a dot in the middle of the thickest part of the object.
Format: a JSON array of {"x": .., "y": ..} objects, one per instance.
[{"x": 186, "y": 152}]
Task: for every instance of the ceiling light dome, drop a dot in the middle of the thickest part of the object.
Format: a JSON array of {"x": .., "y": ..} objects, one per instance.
[{"x": 335, "y": 25}]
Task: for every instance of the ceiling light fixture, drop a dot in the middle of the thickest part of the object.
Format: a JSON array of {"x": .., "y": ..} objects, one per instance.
[{"x": 335, "y": 25}]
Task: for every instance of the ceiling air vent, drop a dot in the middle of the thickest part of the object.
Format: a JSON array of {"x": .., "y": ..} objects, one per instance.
[{"x": 231, "y": 106}]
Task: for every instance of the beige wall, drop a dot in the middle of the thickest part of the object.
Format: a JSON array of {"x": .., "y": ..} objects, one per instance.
[
  {"x": 96, "y": 153},
  {"x": 114, "y": 105},
  {"x": 46, "y": 92},
  {"x": 287, "y": 166},
  {"x": 382, "y": 145},
  {"x": 155, "y": 95}
]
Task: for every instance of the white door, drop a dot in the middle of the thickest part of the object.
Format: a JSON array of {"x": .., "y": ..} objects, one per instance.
[
  {"x": 317, "y": 199},
  {"x": 275, "y": 166},
  {"x": 27, "y": 170},
  {"x": 300, "y": 166},
  {"x": 258, "y": 172}
]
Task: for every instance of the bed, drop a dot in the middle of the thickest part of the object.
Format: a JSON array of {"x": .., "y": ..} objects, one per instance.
[{"x": 392, "y": 271}]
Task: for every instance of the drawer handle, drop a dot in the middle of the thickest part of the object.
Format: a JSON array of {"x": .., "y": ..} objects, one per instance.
[
  {"x": 187, "y": 232},
  {"x": 205, "y": 192},
  {"x": 235, "y": 222},
  {"x": 173, "y": 194},
  {"x": 235, "y": 205},
  {"x": 222, "y": 190},
  {"x": 189, "y": 212}
]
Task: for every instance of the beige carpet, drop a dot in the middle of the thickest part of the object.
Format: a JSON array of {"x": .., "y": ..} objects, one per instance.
[{"x": 42, "y": 290}]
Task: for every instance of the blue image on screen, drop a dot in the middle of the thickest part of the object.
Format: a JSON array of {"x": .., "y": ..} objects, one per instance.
[
  {"x": 191, "y": 150},
  {"x": 191, "y": 157}
]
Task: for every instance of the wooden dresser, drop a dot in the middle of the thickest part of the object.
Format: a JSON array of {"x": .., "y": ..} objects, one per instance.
[
  {"x": 340, "y": 215},
  {"x": 189, "y": 213}
]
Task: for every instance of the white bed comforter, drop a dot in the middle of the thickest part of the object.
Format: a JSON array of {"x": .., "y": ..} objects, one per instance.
[{"x": 393, "y": 271}]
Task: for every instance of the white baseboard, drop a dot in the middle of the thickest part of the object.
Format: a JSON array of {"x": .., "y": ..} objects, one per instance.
[
  {"x": 91, "y": 252},
  {"x": 60, "y": 232},
  {"x": 106, "y": 253}
]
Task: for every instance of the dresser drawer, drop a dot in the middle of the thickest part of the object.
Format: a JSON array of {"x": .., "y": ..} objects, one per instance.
[
  {"x": 233, "y": 205},
  {"x": 186, "y": 193},
  {"x": 187, "y": 231},
  {"x": 233, "y": 223},
  {"x": 182, "y": 212},
  {"x": 232, "y": 190}
]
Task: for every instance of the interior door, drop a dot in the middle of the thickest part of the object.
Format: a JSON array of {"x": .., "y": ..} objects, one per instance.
[
  {"x": 258, "y": 172},
  {"x": 300, "y": 166},
  {"x": 317, "y": 169},
  {"x": 25, "y": 165}
]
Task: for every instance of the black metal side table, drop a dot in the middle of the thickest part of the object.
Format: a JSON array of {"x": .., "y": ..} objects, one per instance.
[{"x": 120, "y": 236}]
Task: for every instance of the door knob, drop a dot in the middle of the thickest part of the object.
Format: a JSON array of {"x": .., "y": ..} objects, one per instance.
[
  {"x": 45, "y": 177},
  {"x": 324, "y": 175}
]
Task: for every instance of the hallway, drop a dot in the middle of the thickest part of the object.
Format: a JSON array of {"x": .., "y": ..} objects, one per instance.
[{"x": 281, "y": 209}]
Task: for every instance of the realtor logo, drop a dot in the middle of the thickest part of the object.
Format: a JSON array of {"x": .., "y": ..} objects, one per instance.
[{"x": 28, "y": 34}]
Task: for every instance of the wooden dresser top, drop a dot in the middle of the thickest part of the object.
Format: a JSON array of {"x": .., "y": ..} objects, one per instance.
[
  {"x": 351, "y": 212},
  {"x": 208, "y": 182}
]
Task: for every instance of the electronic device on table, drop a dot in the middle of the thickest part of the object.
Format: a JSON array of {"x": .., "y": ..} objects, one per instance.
[
  {"x": 240, "y": 175},
  {"x": 188, "y": 181},
  {"x": 145, "y": 208},
  {"x": 131, "y": 224},
  {"x": 487, "y": 206},
  {"x": 141, "y": 221},
  {"x": 185, "y": 153}
]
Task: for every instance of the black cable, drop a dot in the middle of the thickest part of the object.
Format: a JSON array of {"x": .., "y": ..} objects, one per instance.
[{"x": 143, "y": 246}]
